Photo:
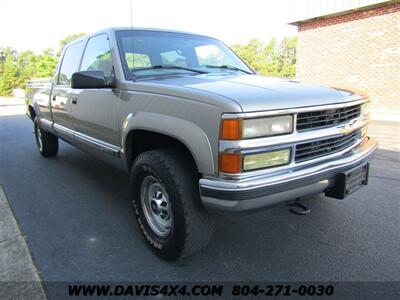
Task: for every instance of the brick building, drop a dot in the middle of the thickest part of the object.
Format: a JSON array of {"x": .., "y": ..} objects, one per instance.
[{"x": 357, "y": 45}]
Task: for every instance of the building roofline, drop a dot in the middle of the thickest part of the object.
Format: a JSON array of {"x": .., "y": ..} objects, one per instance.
[{"x": 343, "y": 12}]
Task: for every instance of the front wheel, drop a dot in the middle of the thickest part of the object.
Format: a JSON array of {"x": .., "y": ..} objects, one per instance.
[
  {"x": 47, "y": 143},
  {"x": 164, "y": 191}
]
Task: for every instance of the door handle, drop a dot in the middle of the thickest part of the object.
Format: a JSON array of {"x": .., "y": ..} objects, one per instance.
[
  {"x": 54, "y": 97},
  {"x": 74, "y": 100}
]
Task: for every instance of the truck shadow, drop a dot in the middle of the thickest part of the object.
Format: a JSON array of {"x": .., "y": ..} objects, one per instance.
[{"x": 260, "y": 244}]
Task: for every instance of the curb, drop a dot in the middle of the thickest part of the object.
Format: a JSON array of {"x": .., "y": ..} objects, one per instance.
[{"x": 19, "y": 278}]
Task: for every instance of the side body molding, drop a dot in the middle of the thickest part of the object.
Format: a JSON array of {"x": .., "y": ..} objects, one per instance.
[{"x": 191, "y": 135}]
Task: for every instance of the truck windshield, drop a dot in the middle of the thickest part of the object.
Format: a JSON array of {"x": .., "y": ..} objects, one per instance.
[{"x": 155, "y": 53}]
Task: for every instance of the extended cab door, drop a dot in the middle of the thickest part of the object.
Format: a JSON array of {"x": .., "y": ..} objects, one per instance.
[
  {"x": 61, "y": 97},
  {"x": 95, "y": 110}
]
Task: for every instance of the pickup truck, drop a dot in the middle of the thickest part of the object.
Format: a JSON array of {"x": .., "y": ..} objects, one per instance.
[{"x": 198, "y": 131}]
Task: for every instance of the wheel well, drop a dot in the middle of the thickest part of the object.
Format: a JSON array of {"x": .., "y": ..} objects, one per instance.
[
  {"x": 139, "y": 141},
  {"x": 32, "y": 112}
]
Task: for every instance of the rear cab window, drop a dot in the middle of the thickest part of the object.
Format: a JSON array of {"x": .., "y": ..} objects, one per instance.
[
  {"x": 212, "y": 55},
  {"x": 175, "y": 57},
  {"x": 137, "y": 60},
  {"x": 69, "y": 63}
]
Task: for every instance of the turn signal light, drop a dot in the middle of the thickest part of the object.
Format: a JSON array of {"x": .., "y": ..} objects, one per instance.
[
  {"x": 230, "y": 163},
  {"x": 231, "y": 129}
]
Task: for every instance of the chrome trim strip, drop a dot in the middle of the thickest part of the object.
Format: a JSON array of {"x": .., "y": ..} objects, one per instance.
[
  {"x": 358, "y": 154},
  {"x": 259, "y": 114},
  {"x": 100, "y": 145},
  {"x": 46, "y": 122},
  {"x": 90, "y": 141},
  {"x": 64, "y": 130}
]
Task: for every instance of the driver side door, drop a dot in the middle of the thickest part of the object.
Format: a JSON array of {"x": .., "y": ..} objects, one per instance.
[{"x": 95, "y": 110}]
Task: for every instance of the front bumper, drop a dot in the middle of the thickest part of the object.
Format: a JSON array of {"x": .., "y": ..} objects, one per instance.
[{"x": 245, "y": 196}]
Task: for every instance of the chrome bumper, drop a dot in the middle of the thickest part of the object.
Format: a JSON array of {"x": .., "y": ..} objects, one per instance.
[{"x": 247, "y": 195}]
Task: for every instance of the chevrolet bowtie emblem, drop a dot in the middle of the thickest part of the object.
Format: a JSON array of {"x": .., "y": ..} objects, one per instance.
[{"x": 348, "y": 128}]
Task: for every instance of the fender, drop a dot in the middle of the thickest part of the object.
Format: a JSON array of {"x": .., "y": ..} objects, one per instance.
[
  {"x": 30, "y": 109},
  {"x": 188, "y": 133}
]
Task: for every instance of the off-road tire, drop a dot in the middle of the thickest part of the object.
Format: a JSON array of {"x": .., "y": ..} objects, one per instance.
[
  {"x": 191, "y": 227},
  {"x": 47, "y": 143}
]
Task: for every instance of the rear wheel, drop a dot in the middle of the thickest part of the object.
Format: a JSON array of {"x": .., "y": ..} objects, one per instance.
[
  {"x": 47, "y": 143},
  {"x": 164, "y": 191}
]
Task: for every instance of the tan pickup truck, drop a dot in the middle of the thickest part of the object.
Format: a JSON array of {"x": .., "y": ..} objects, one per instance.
[{"x": 199, "y": 132}]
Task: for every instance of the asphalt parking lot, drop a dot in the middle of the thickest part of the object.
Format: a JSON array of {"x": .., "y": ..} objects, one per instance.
[{"x": 77, "y": 220}]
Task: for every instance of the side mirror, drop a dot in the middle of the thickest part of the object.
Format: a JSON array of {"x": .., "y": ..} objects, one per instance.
[{"x": 89, "y": 80}]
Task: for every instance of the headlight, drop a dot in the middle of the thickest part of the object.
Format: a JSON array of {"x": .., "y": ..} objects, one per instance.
[
  {"x": 236, "y": 129},
  {"x": 236, "y": 163},
  {"x": 267, "y": 126},
  {"x": 364, "y": 131},
  {"x": 266, "y": 160}
]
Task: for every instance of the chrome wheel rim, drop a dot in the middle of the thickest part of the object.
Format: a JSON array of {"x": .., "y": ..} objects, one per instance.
[
  {"x": 156, "y": 206},
  {"x": 39, "y": 138}
]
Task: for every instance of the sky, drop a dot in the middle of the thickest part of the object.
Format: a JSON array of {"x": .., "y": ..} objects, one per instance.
[{"x": 39, "y": 24}]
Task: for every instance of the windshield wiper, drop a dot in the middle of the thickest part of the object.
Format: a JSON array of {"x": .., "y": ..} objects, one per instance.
[
  {"x": 228, "y": 67},
  {"x": 155, "y": 67}
]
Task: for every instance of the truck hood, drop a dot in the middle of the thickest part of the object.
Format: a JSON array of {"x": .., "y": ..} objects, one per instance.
[{"x": 257, "y": 93}]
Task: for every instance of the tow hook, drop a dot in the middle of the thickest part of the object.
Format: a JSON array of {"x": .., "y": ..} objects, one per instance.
[{"x": 298, "y": 208}]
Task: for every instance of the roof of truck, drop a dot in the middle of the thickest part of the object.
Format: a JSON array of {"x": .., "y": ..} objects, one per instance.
[
  {"x": 153, "y": 29},
  {"x": 104, "y": 30},
  {"x": 137, "y": 28}
]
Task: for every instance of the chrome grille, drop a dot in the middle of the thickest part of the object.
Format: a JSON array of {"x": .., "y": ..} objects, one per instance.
[
  {"x": 315, "y": 149},
  {"x": 326, "y": 118}
]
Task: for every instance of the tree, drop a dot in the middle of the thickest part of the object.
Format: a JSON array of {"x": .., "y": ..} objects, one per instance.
[
  {"x": 9, "y": 75},
  {"x": 272, "y": 58},
  {"x": 16, "y": 69},
  {"x": 2, "y": 60},
  {"x": 46, "y": 64},
  {"x": 68, "y": 39},
  {"x": 252, "y": 53},
  {"x": 26, "y": 67},
  {"x": 287, "y": 57}
]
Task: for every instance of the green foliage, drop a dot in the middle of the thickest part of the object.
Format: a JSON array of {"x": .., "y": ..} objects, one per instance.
[
  {"x": 137, "y": 60},
  {"x": 46, "y": 64},
  {"x": 68, "y": 39},
  {"x": 16, "y": 69},
  {"x": 9, "y": 71},
  {"x": 272, "y": 58}
]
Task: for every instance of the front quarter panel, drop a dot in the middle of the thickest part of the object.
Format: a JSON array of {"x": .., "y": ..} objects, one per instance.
[
  {"x": 191, "y": 135},
  {"x": 192, "y": 119}
]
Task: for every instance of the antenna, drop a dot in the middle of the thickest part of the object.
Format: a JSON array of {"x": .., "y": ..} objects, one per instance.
[{"x": 133, "y": 54}]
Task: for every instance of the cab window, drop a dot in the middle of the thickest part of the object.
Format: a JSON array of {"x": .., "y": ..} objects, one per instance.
[
  {"x": 175, "y": 57},
  {"x": 97, "y": 55},
  {"x": 212, "y": 55},
  {"x": 137, "y": 60}
]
